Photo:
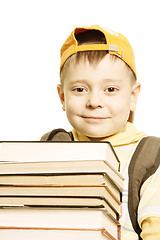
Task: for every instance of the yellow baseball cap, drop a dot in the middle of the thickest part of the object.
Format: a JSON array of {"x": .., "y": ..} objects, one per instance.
[{"x": 116, "y": 44}]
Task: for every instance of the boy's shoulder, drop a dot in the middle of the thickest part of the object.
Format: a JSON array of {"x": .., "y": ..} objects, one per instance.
[
  {"x": 144, "y": 163},
  {"x": 58, "y": 134}
]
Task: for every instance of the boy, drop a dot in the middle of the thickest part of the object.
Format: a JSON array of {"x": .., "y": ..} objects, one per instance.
[{"x": 99, "y": 92}]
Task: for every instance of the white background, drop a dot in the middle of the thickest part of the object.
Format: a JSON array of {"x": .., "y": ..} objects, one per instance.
[{"x": 31, "y": 34}]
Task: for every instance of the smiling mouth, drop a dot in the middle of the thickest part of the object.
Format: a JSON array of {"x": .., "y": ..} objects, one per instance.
[{"x": 94, "y": 119}]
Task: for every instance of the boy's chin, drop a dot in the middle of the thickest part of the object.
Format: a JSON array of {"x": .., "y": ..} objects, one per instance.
[
  {"x": 98, "y": 138},
  {"x": 102, "y": 137}
]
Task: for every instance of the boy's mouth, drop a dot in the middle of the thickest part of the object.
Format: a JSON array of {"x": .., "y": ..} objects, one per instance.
[{"x": 94, "y": 119}]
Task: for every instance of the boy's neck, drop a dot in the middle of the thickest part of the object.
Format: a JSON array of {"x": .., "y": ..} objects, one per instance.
[{"x": 128, "y": 135}]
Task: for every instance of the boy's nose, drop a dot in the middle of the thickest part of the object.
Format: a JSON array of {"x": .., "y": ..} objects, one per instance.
[{"x": 94, "y": 101}]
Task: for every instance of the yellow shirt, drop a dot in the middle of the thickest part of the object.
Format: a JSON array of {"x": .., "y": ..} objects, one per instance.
[{"x": 124, "y": 144}]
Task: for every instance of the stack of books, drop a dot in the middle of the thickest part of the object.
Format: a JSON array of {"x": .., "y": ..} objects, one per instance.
[{"x": 57, "y": 190}]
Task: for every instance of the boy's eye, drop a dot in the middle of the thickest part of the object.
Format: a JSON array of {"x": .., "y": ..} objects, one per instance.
[
  {"x": 111, "y": 89},
  {"x": 80, "y": 89}
]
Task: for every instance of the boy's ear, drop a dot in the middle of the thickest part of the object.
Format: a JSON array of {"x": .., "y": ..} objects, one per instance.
[
  {"x": 134, "y": 96},
  {"x": 61, "y": 95}
]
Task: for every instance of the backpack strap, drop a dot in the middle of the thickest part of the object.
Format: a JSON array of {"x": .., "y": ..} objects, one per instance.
[
  {"x": 58, "y": 135},
  {"x": 144, "y": 163}
]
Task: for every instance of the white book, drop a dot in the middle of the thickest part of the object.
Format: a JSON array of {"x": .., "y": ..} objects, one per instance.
[
  {"x": 58, "y": 151},
  {"x": 20, "y": 234},
  {"x": 60, "y": 218}
]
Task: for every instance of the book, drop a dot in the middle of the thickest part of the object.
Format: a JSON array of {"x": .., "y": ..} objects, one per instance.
[
  {"x": 62, "y": 168},
  {"x": 64, "y": 179},
  {"x": 58, "y": 202},
  {"x": 57, "y": 151},
  {"x": 61, "y": 218},
  {"x": 60, "y": 191},
  {"x": 50, "y": 234},
  {"x": 66, "y": 189}
]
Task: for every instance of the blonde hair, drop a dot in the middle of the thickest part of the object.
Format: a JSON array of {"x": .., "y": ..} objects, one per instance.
[{"x": 93, "y": 57}]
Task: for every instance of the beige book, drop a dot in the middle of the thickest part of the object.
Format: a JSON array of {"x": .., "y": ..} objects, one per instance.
[
  {"x": 50, "y": 234},
  {"x": 59, "y": 202},
  {"x": 64, "y": 179},
  {"x": 61, "y": 191},
  {"x": 63, "y": 167}
]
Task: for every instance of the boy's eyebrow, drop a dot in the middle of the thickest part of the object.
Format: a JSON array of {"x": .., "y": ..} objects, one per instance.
[
  {"x": 109, "y": 80},
  {"x": 113, "y": 79}
]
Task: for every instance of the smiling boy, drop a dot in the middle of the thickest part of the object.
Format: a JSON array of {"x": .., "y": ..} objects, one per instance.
[
  {"x": 98, "y": 99},
  {"x": 99, "y": 92}
]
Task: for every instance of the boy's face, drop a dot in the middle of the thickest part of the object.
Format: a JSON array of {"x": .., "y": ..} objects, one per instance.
[{"x": 98, "y": 99}]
